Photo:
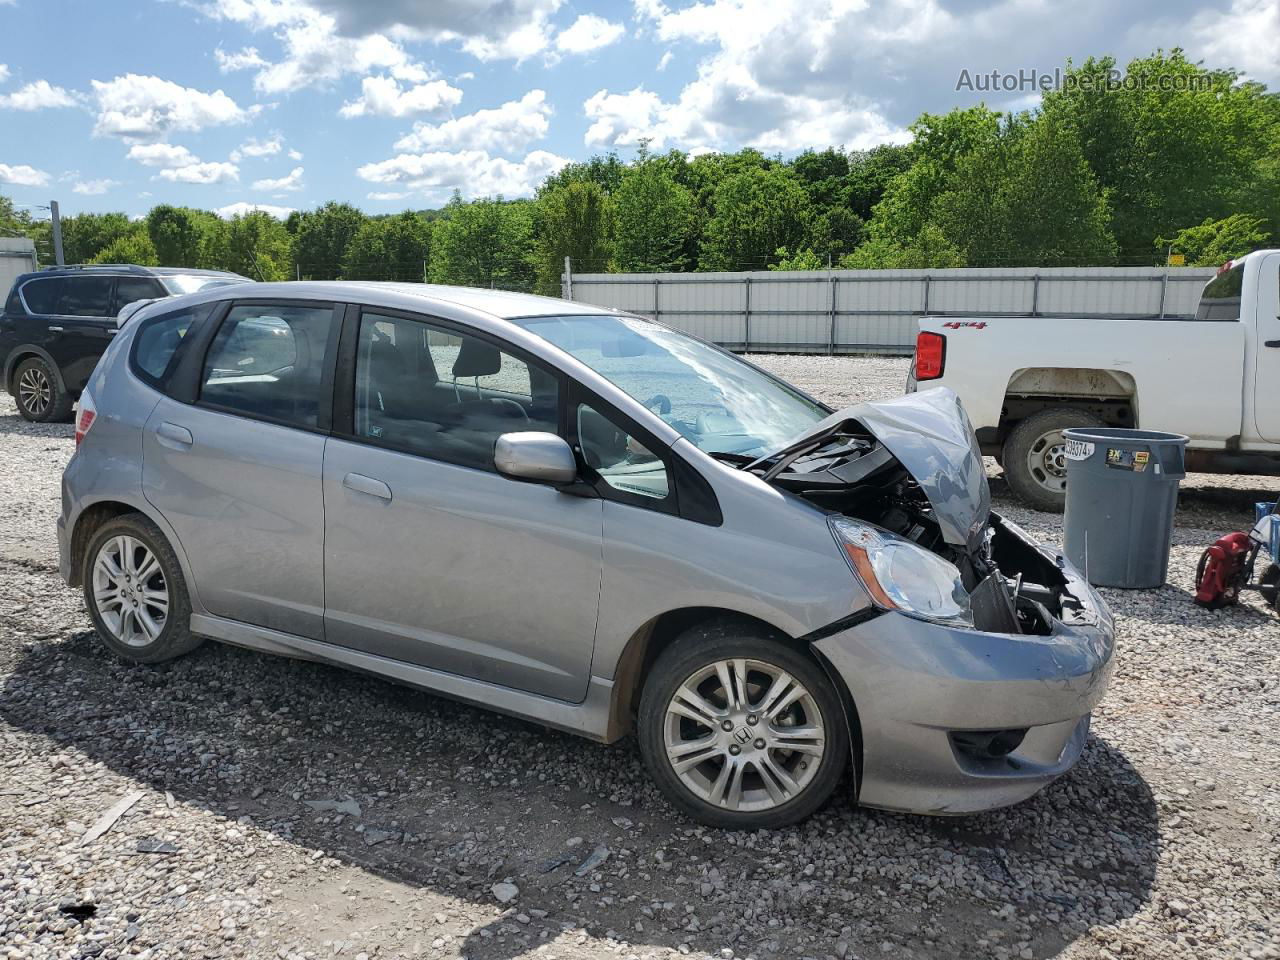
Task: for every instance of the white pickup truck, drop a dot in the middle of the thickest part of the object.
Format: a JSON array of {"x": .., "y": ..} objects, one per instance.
[{"x": 1215, "y": 378}]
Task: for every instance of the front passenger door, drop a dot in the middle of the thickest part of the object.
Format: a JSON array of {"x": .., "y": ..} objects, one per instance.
[{"x": 431, "y": 556}]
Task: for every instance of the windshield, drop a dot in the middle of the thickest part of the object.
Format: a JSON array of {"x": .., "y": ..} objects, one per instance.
[
  {"x": 719, "y": 402},
  {"x": 181, "y": 283}
]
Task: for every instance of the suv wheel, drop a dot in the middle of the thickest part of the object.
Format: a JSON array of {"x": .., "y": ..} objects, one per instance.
[
  {"x": 740, "y": 730},
  {"x": 39, "y": 394},
  {"x": 1034, "y": 456},
  {"x": 135, "y": 591}
]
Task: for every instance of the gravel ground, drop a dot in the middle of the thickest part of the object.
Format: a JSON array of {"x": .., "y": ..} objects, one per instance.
[{"x": 284, "y": 809}]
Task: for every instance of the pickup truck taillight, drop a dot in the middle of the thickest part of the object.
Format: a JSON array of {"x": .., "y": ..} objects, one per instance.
[{"x": 931, "y": 355}]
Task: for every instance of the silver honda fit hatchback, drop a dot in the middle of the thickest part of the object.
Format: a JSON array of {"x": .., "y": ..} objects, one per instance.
[{"x": 589, "y": 520}]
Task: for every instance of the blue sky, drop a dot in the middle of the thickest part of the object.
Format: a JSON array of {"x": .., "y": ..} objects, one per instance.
[{"x": 390, "y": 104}]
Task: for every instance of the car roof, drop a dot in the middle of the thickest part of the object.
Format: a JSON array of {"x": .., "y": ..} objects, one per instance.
[
  {"x": 82, "y": 269},
  {"x": 504, "y": 304}
]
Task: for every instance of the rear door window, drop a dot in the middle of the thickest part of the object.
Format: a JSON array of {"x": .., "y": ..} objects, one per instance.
[
  {"x": 85, "y": 297},
  {"x": 129, "y": 289},
  {"x": 41, "y": 295},
  {"x": 268, "y": 362}
]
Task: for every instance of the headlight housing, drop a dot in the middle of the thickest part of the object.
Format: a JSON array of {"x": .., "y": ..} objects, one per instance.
[{"x": 901, "y": 575}]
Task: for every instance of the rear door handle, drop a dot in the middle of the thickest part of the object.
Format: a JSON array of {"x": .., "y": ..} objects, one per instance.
[
  {"x": 362, "y": 484},
  {"x": 55, "y": 329},
  {"x": 173, "y": 436},
  {"x": 1271, "y": 343}
]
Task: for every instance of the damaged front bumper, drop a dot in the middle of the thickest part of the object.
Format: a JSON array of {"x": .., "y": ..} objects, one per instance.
[{"x": 956, "y": 721}]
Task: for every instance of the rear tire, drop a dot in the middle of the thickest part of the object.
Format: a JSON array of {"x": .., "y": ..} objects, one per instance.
[
  {"x": 39, "y": 393},
  {"x": 1033, "y": 458},
  {"x": 768, "y": 755},
  {"x": 135, "y": 591}
]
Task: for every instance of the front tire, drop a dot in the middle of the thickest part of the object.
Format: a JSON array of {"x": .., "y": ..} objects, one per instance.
[
  {"x": 741, "y": 730},
  {"x": 135, "y": 591},
  {"x": 1034, "y": 456},
  {"x": 39, "y": 393}
]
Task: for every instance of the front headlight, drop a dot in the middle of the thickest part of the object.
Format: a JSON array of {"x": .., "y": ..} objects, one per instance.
[{"x": 901, "y": 575}]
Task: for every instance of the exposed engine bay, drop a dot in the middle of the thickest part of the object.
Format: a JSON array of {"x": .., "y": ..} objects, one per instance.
[{"x": 847, "y": 469}]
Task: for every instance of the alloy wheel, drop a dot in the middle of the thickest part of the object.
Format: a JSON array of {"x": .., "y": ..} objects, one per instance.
[
  {"x": 34, "y": 391},
  {"x": 130, "y": 591},
  {"x": 744, "y": 735}
]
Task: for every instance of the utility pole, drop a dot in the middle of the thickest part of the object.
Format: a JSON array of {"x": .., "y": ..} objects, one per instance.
[
  {"x": 568, "y": 279},
  {"x": 57, "y": 234}
]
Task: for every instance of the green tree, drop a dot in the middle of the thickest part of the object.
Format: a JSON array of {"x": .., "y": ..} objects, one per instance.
[
  {"x": 1173, "y": 144},
  {"x": 574, "y": 220},
  {"x": 179, "y": 234},
  {"x": 870, "y": 173},
  {"x": 132, "y": 247},
  {"x": 484, "y": 243},
  {"x": 755, "y": 212},
  {"x": 606, "y": 172},
  {"x": 254, "y": 244},
  {"x": 805, "y": 259},
  {"x": 389, "y": 248},
  {"x": 929, "y": 249},
  {"x": 654, "y": 220},
  {"x": 1027, "y": 198},
  {"x": 1214, "y": 242},
  {"x": 321, "y": 237},
  {"x": 13, "y": 222},
  {"x": 85, "y": 235}
]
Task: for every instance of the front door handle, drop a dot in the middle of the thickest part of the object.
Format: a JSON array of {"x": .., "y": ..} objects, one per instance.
[
  {"x": 54, "y": 329},
  {"x": 368, "y": 485},
  {"x": 173, "y": 436},
  {"x": 1271, "y": 343}
]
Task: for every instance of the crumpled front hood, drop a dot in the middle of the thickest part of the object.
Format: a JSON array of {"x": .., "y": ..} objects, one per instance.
[{"x": 930, "y": 435}]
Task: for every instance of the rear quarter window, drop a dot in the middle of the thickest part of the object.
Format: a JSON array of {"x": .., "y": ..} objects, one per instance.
[
  {"x": 41, "y": 295},
  {"x": 157, "y": 343},
  {"x": 1221, "y": 297}
]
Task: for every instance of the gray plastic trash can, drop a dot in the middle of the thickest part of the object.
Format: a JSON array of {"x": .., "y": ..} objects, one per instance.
[{"x": 1122, "y": 490}]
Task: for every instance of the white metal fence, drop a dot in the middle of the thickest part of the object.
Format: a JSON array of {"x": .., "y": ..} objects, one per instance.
[{"x": 875, "y": 311}]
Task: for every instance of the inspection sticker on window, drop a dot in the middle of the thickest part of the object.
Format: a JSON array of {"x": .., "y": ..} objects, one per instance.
[{"x": 1079, "y": 450}]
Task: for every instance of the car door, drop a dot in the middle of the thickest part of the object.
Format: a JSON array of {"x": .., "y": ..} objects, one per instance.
[
  {"x": 1266, "y": 380},
  {"x": 83, "y": 325},
  {"x": 431, "y": 556},
  {"x": 233, "y": 460}
]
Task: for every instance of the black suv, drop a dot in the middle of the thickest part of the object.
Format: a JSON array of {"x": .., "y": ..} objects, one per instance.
[{"x": 58, "y": 322}]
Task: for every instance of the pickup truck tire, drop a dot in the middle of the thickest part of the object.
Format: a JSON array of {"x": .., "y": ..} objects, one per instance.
[{"x": 1034, "y": 458}]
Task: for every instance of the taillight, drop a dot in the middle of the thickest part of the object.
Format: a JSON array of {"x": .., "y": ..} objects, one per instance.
[
  {"x": 84, "y": 419},
  {"x": 931, "y": 355}
]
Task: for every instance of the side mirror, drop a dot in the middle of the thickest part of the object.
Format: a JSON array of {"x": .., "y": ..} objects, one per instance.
[{"x": 542, "y": 457}]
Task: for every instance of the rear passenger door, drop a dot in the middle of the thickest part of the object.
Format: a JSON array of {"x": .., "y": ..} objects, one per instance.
[
  {"x": 233, "y": 456},
  {"x": 83, "y": 323},
  {"x": 431, "y": 556}
]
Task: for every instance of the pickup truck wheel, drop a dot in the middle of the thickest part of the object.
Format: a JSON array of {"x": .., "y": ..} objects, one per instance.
[{"x": 1034, "y": 456}]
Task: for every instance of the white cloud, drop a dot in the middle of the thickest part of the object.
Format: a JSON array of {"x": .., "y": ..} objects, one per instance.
[
  {"x": 474, "y": 172},
  {"x": 1243, "y": 37},
  {"x": 258, "y": 148},
  {"x": 503, "y": 129},
  {"x": 23, "y": 175},
  {"x": 387, "y": 195},
  {"x": 295, "y": 154},
  {"x": 246, "y": 59},
  {"x": 665, "y": 61},
  {"x": 292, "y": 181},
  {"x": 93, "y": 188},
  {"x": 40, "y": 95},
  {"x": 383, "y": 96},
  {"x": 203, "y": 173},
  {"x": 162, "y": 155},
  {"x": 4, "y": 72},
  {"x": 588, "y": 33},
  {"x": 140, "y": 108},
  {"x": 241, "y": 208}
]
